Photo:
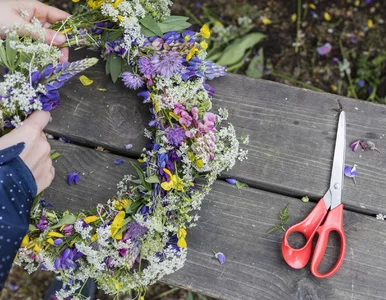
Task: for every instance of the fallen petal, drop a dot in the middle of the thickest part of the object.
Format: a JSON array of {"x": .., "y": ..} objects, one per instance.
[
  {"x": 119, "y": 161},
  {"x": 324, "y": 49},
  {"x": 231, "y": 181},
  {"x": 220, "y": 256}
]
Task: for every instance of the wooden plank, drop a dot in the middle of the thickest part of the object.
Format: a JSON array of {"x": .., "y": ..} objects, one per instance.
[
  {"x": 236, "y": 222},
  {"x": 292, "y": 133}
]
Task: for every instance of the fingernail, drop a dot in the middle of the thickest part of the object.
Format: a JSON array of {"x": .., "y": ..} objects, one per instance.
[{"x": 59, "y": 39}]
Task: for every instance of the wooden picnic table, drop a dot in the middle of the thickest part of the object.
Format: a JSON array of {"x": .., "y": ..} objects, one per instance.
[{"x": 292, "y": 135}]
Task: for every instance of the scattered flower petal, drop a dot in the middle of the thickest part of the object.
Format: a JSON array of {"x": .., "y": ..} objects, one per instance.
[
  {"x": 324, "y": 49},
  {"x": 231, "y": 181},
  {"x": 351, "y": 172},
  {"x": 327, "y": 16},
  {"x": 13, "y": 287},
  {"x": 128, "y": 146},
  {"x": 73, "y": 178},
  {"x": 119, "y": 161},
  {"x": 220, "y": 256},
  {"x": 370, "y": 23},
  {"x": 380, "y": 217},
  {"x": 354, "y": 145},
  {"x": 266, "y": 21},
  {"x": 85, "y": 80},
  {"x": 305, "y": 199}
]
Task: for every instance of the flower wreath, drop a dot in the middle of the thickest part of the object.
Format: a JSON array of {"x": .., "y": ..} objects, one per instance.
[{"x": 138, "y": 236}]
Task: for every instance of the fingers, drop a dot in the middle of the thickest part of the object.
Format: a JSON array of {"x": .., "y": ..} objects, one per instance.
[
  {"x": 54, "y": 37},
  {"x": 64, "y": 57},
  {"x": 38, "y": 119},
  {"x": 46, "y": 13}
]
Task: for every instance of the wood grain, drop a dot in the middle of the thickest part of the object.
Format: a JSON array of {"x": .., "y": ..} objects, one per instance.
[
  {"x": 292, "y": 133},
  {"x": 236, "y": 222}
]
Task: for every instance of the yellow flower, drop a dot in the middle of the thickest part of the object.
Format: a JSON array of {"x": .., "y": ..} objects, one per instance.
[
  {"x": 75, "y": 1},
  {"x": 205, "y": 31},
  {"x": 174, "y": 182},
  {"x": 370, "y": 23},
  {"x": 25, "y": 241},
  {"x": 120, "y": 18},
  {"x": 218, "y": 23},
  {"x": 117, "y": 224},
  {"x": 117, "y": 2},
  {"x": 199, "y": 163},
  {"x": 174, "y": 116},
  {"x": 312, "y": 6},
  {"x": 121, "y": 205},
  {"x": 294, "y": 18},
  {"x": 64, "y": 31},
  {"x": 95, "y": 4},
  {"x": 117, "y": 286},
  {"x": 182, "y": 233},
  {"x": 182, "y": 243},
  {"x": 55, "y": 234},
  {"x": 50, "y": 241},
  {"x": 90, "y": 219},
  {"x": 94, "y": 237},
  {"x": 191, "y": 156},
  {"x": 266, "y": 21},
  {"x": 327, "y": 16},
  {"x": 191, "y": 53},
  {"x": 37, "y": 248},
  {"x": 204, "y": 45}
]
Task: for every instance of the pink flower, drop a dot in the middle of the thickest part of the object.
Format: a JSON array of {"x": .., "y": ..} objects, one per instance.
[
  {"x": 189, "y": 134},
  {"x": 210, "y": 117},
  {"x": 195, "y": 113},
  {"x": 185, "y": 119},
  {"x": 178, "y": 108}
]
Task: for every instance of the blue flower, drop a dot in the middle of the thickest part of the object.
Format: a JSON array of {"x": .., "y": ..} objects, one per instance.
[
  {"x": 213, "y": 71},
  {"x": 231, "y": 181},
  {"x": 175, "y": 135},
  {"x": 128, "y": 146},
  {"x": 145, "y": 66},
  {"x": 131, "y": 80},
  {"x": 73, "y": 178},
  {"x": 361, "y": 83},
  {"x": 167, "y": 64},
  {"x": 351, "y": 172}
]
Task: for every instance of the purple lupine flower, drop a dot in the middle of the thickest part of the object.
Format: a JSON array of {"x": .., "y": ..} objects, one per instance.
[
  {"x": 132, "y": 81},
  {"x": 168, "y": 64},
  {"x": 145, "y": 95},
  {"x": 185, "y": 119},
  {"x": 67, "y": 259},
  {"x": 354, "y": 145},
  {"x": 213, "y": 70},
  {"x": 43, "y": 223},
  {"x": 220, "y": 256},
  {"x": 171, "y": 37},
  {"x": 210, "y": 90},
  {"x": 190, "y": 35},
  {"x": 231, "y": 181},
  {"x": 58, "y": 242},
  {"x": 73, "y": 178},
  {"x": 43, "y": 202},
  {"x": 324, "y": 49},
  {"x": 175, "y": 135},
  {"x": 13, "y": 287},
  {"x": 64, "y": 139},
  {"x": 119, "y": 161},
  {"x": 133, "y": 232},
  {"x": 145, "y": 66}
]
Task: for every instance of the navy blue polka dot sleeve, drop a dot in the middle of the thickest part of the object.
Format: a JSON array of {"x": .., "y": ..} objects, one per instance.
[{"x": 17, "y": 191}]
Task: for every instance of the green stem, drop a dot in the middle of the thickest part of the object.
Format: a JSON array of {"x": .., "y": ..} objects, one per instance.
[
  {"x": 84, "y": 284},
  {"x": 298, "y": 20},
  {"x": 165, "y": 293},
  {"x": 351, "y": 86},
  {"x": 191, "y": 15},
  {"x": 294, "y": 80}
]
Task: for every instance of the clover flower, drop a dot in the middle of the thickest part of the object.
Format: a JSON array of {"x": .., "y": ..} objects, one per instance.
[
  {"x": 132, "y": 81},
  {"x": 175, "y": 135}
]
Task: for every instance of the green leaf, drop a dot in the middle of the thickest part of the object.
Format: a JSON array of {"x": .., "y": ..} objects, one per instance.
[
  {"x": 235, "y": 51},
  {"x": 67, "y": 219},
  {"x": 115, "y": 68},
  {"x": 152, "y": 179},
  {"x": 305, "y": 199},
  {"x": 190, "y": 296},
  {"x": 31, "y": 227},
  {"x": 273, "y": 229},
  {"x": 54, "y": 155},
  {"x": 150, "y": 24},
  {"x": 240, "y": 185},
  {"x": 256, "y": 66},
  {"x": 214, "y": 57},
  {"x": 141, "y": 175},
  {"x": 174, "y": 23},
  {"x": 284, "y": 217}
]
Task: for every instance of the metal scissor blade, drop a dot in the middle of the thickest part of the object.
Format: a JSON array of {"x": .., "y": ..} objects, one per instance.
[{"x": 337, "y": 174}]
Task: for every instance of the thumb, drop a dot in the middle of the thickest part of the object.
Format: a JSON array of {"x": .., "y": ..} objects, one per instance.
[
  {"x": 38, "y": 119},
  {"x": 54, "y": 37}
]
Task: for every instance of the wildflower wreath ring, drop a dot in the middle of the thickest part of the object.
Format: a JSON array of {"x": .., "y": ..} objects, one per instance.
[{"x": 138, "y": 236}]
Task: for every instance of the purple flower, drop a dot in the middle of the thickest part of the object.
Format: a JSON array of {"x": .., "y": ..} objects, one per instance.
[
  {"x": 67, "y": 259},
  {"x": 13, "y": 287},
  {"x": 43, "y": 202},
  {"x": 324, "y": 49},
  {"x": 131, "y": 80},
  {"x": 361, "y": 83},
  {"x": 119, "y": 161},
  {"x": 354, "y": 145},
  {"x": 73, "y": 178},
  {"x": 43, "y": 223},
  {"x": 128, "y": 146},
  {"x": 64, "y": 139},
  {"x": 145, "y": 66},
  {"x": 145, "y": 95},
  {"x": 210, "y": 90},
  {"x": 175, "y": 135},
  {"x": 58, "y": 242},
  {"x": 167, "y": 64},
  {"x": 171, "y": 37},
  {"x": 133, "y": 232},
  {"x": 191, "y": 35},
  {"x": 220, "y": 256},
  {"x": 351, "y": 172},
  {"x": 67, "y": 229},
  {"x": 213, "y": 71},
  {"x": 231, "y": 181}
]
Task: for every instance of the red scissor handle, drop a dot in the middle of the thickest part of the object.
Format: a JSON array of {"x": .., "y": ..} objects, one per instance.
[
  {"x": 298, "y": 258},
  {"x": 333, "y": 222}
]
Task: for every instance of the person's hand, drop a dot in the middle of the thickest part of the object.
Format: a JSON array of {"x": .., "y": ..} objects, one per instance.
[
  {"x": 36, "y": 154},
  {"x": 47, "y": 15}
]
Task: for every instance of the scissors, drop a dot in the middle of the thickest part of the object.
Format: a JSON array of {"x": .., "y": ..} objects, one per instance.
[{"x": 330, "y": 210}]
